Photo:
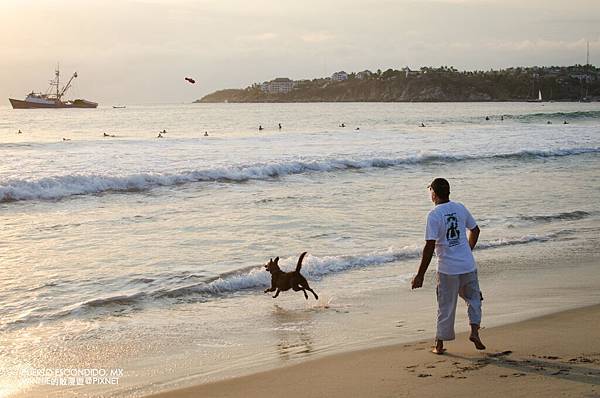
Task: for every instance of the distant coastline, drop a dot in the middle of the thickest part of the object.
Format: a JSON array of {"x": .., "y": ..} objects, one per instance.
[{"x": 444, "y": 84}]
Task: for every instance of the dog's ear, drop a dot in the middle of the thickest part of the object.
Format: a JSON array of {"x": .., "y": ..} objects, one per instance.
[{"x": 276, "y": 260}]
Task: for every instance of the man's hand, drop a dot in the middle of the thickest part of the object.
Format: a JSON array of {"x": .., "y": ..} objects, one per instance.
[
  {"x": 417, "y": 281},
  {"x": 428, "y": 250}
]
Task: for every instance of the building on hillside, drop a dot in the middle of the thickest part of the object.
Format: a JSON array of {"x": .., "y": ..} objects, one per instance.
[
  {"x": 365, "y": 74},
  {"x": 408, "y": 72},
  {"x": 339, "y": 76},
  {"x": 279, "y": 85}
]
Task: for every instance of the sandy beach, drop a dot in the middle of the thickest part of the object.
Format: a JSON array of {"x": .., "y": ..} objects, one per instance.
[{"x": 554, "y": 355}]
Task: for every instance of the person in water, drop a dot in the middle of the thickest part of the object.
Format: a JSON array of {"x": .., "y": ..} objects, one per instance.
[
  {"x": 279, "y": 126},
  {"x": 206, "y": 133},
  {"x": 343, "y": 125},
  {"x": 565, "y": 122},
  {"x": 422, "y": 124},
  {"x": 487, "y": 118},
  {"x": 19, "y": 132},
  {"x": 159, "y": 135},
  {"x": 260, "y": 127}
]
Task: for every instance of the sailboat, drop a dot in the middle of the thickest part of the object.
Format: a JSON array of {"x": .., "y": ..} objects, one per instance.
[
  {"x": 52, "y": 98},
  {"x": 539, "y": 98}
]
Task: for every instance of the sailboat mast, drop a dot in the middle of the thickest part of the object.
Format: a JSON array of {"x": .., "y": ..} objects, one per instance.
[
  {"x": 587, "y": 67},
  {"x": 587, "y": 62}
]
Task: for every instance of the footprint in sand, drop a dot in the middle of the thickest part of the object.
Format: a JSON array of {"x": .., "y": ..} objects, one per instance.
[{"x": 500, "y": 354}]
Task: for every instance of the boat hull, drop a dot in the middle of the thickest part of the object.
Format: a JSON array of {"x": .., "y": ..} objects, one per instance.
[{"x": 19, "y": 104}]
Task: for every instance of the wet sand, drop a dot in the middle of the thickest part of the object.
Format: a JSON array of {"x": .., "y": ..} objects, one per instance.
[{"x": 555, "y": 355}]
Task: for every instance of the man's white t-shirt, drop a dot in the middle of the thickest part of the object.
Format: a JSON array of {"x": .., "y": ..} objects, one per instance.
[{"x": 447, "y": 224}]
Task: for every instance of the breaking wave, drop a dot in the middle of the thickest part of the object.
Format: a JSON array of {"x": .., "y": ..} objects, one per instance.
[
  {"x": 59, "y": 187},
  {"x": 543, "y": 116},
  {"x": 523, "y": 219},
  {"x": 314, "y": 268}
]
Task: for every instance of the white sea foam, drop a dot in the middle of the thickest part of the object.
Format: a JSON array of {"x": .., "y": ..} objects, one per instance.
[
  {"x": 314, "y": 268},
  {"x": 58, "y": 187}
]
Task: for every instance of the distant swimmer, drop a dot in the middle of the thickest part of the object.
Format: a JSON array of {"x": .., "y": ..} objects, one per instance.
[
  {"x": 279, "y": 124},
  {"x": 502, "y": 117},
  {"x": 260, "y": 128},
  {"x": 565, "y": 122},
  {"x": 190, "y": 80},
  {"x": 356, "y": 129},
  {"x": 548, "y": 122},
  {"x": 160, "y": 135},
  {"x": 66, "y": 139},
  {"x": 422, "y": 124},
  {"x": 206, "y": 133},
  {"x": 487, "y": 118},
  {"x": 343, "y": 125},
  {"x": 164, "y": 131},
  {"x": 109, "y": 135},
  {"x": 19, "y": 132}
]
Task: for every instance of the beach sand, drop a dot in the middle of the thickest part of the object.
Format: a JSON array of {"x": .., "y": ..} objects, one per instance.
[{"x": 556, "y": 355}]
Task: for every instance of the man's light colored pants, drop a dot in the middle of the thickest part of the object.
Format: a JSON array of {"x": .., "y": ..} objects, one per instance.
[{"x": 449, "y": 287}]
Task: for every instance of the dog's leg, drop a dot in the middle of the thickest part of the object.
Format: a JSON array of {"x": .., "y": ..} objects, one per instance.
[
  {"x": 276, "y": 293},
  {"x": 271, "y": 289},
  {"x": 305, "y": 295},
  {"x": 313, "y": 292}
]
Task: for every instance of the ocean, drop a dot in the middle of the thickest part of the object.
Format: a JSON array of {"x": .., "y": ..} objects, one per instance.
[{"x": 141, "y": 258}]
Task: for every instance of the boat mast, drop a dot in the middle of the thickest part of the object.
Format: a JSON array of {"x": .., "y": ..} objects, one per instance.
[
  {"x": 587, "y": 67},
  {"x": 57, "y": 73}
]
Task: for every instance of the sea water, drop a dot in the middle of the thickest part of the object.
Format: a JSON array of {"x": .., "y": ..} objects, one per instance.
[{"x": 143, "y": 257}]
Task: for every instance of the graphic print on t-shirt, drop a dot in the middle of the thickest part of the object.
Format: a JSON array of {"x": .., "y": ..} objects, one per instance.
[{"x": 452, "y": 231}]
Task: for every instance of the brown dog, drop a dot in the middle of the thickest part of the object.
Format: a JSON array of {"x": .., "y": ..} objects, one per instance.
[{"x": 282, "y": 281}]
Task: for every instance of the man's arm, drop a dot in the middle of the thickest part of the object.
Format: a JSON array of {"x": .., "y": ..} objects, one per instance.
[
  {"x": 473, "y": 236},
  {"x": 428, "y": 250}
]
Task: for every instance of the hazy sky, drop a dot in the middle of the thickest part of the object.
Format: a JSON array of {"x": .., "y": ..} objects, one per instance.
[{"x": 139, "y": 51}]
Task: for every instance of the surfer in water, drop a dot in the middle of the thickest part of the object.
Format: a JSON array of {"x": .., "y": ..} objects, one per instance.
[{"x": 260, "y": 127}]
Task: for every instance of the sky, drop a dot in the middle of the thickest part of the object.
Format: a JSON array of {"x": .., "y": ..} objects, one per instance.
[{"x": 139, "y": 51}]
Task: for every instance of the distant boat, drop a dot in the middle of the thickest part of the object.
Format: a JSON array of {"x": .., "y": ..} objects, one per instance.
[
  {"x": 52, "y": 99},
  {"x": 539, "y": 98},
  {"x": 118, "y": 107}
]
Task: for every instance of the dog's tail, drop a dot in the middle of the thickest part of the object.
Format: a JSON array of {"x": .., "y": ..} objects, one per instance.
[{"x": 300, "y": 262}]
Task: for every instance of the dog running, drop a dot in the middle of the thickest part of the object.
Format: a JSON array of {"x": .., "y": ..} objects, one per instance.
[{"x": 282, "y": 281}]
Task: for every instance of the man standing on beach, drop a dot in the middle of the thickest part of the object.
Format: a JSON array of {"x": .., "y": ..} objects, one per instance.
[{"x": 446, "y": 233}]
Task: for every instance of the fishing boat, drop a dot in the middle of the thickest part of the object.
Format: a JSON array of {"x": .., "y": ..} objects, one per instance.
[{"x": 53, "y": 98}]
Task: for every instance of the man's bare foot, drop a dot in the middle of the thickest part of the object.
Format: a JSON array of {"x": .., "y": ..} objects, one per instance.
[
  {"x": 477, "y": 341},
  {"x": 439, "y": 347}
]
